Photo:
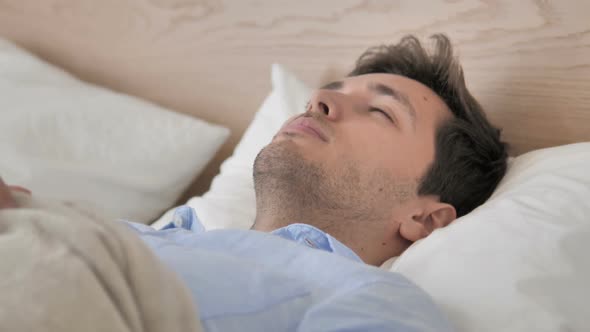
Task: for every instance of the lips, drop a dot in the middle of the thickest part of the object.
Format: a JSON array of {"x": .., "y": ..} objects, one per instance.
[{"x": 308, "y": 126}]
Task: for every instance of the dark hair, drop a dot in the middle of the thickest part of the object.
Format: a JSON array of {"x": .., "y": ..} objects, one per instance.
[{"x": 470, "y": 159}]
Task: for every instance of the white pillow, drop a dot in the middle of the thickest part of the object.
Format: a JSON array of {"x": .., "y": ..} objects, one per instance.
[
  {"x": 77, "y": 142},
  {"x": 230, "y": 202},
  {"x": 519, "y": 262}
]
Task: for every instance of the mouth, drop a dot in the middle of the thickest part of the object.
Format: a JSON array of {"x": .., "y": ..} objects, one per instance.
[{"x": 306, "y": 126}]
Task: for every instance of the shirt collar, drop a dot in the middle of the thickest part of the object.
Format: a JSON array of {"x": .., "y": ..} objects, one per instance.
[{"x": 315, "y": 238}]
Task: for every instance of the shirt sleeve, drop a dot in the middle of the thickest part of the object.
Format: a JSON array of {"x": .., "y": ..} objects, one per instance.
[{"x": 376, "y": 307}]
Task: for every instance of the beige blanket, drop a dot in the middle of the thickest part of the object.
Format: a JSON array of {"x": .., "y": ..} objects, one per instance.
[{"x": 64, "y": 270}]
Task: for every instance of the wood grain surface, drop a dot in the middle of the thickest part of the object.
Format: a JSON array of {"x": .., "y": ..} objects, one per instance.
[{"x": 528, "y": 62}]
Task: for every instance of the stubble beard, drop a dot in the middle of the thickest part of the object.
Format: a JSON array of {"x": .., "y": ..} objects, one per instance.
[{"x": 293, "y": 189}]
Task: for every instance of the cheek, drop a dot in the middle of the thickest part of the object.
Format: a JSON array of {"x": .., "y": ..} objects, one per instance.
[{"x": 404, "y": 156}]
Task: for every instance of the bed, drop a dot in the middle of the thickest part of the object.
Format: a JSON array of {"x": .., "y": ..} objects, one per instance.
[{"x": 155, "y": 69}]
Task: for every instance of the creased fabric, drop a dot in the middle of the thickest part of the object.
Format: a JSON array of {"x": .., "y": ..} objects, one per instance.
[{"x": 62, "y": 270}]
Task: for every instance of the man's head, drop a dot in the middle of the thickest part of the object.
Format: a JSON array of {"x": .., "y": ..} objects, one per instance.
[{"x": 385, "y": 156}]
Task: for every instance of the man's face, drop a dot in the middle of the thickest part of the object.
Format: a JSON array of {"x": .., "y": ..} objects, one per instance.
[{"x": 368, "y": 140}]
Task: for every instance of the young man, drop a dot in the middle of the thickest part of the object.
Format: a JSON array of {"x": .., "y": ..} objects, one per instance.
[{"x": 378, "y": 161}]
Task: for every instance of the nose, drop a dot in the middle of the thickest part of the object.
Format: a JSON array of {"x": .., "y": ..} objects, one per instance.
[{"x": 326, "y": 104}]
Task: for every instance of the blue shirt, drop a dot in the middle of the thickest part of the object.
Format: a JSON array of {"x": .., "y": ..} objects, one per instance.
[{"x": 296, "y": 278}]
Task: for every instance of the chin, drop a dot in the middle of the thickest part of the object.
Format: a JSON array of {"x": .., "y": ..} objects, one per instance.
[
  {"x": 285, "y": 143},
  {"x": 281, "y": 155}
]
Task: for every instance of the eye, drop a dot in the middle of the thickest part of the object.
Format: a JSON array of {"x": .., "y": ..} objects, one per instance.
[{"x": 378, "y": 110}]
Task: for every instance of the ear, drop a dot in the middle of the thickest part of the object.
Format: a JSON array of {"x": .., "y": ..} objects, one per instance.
[
  {"x": 435, "y": 215},
  {"x": 412, "y": 230}
]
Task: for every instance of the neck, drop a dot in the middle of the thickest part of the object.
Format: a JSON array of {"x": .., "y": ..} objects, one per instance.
[
  {"x": 279, "y": 209},
  {"x": 373, "y": 244},
  {"x": 289, "y": 189}
]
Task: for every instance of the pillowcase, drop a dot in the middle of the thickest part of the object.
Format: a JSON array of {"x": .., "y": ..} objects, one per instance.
[
  {"x": 76, "y": 142},
  {"x": 231, "y": 202},
  {"x": 518, "y": 262}
]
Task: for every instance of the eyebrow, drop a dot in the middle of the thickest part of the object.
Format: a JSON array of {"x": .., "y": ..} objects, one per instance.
[
  {"x": 333, "y": 86},
  {"x": 384, "y": 90}
]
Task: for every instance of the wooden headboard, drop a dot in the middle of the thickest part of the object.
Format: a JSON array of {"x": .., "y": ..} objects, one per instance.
[{"x": 528, "y": 62}]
